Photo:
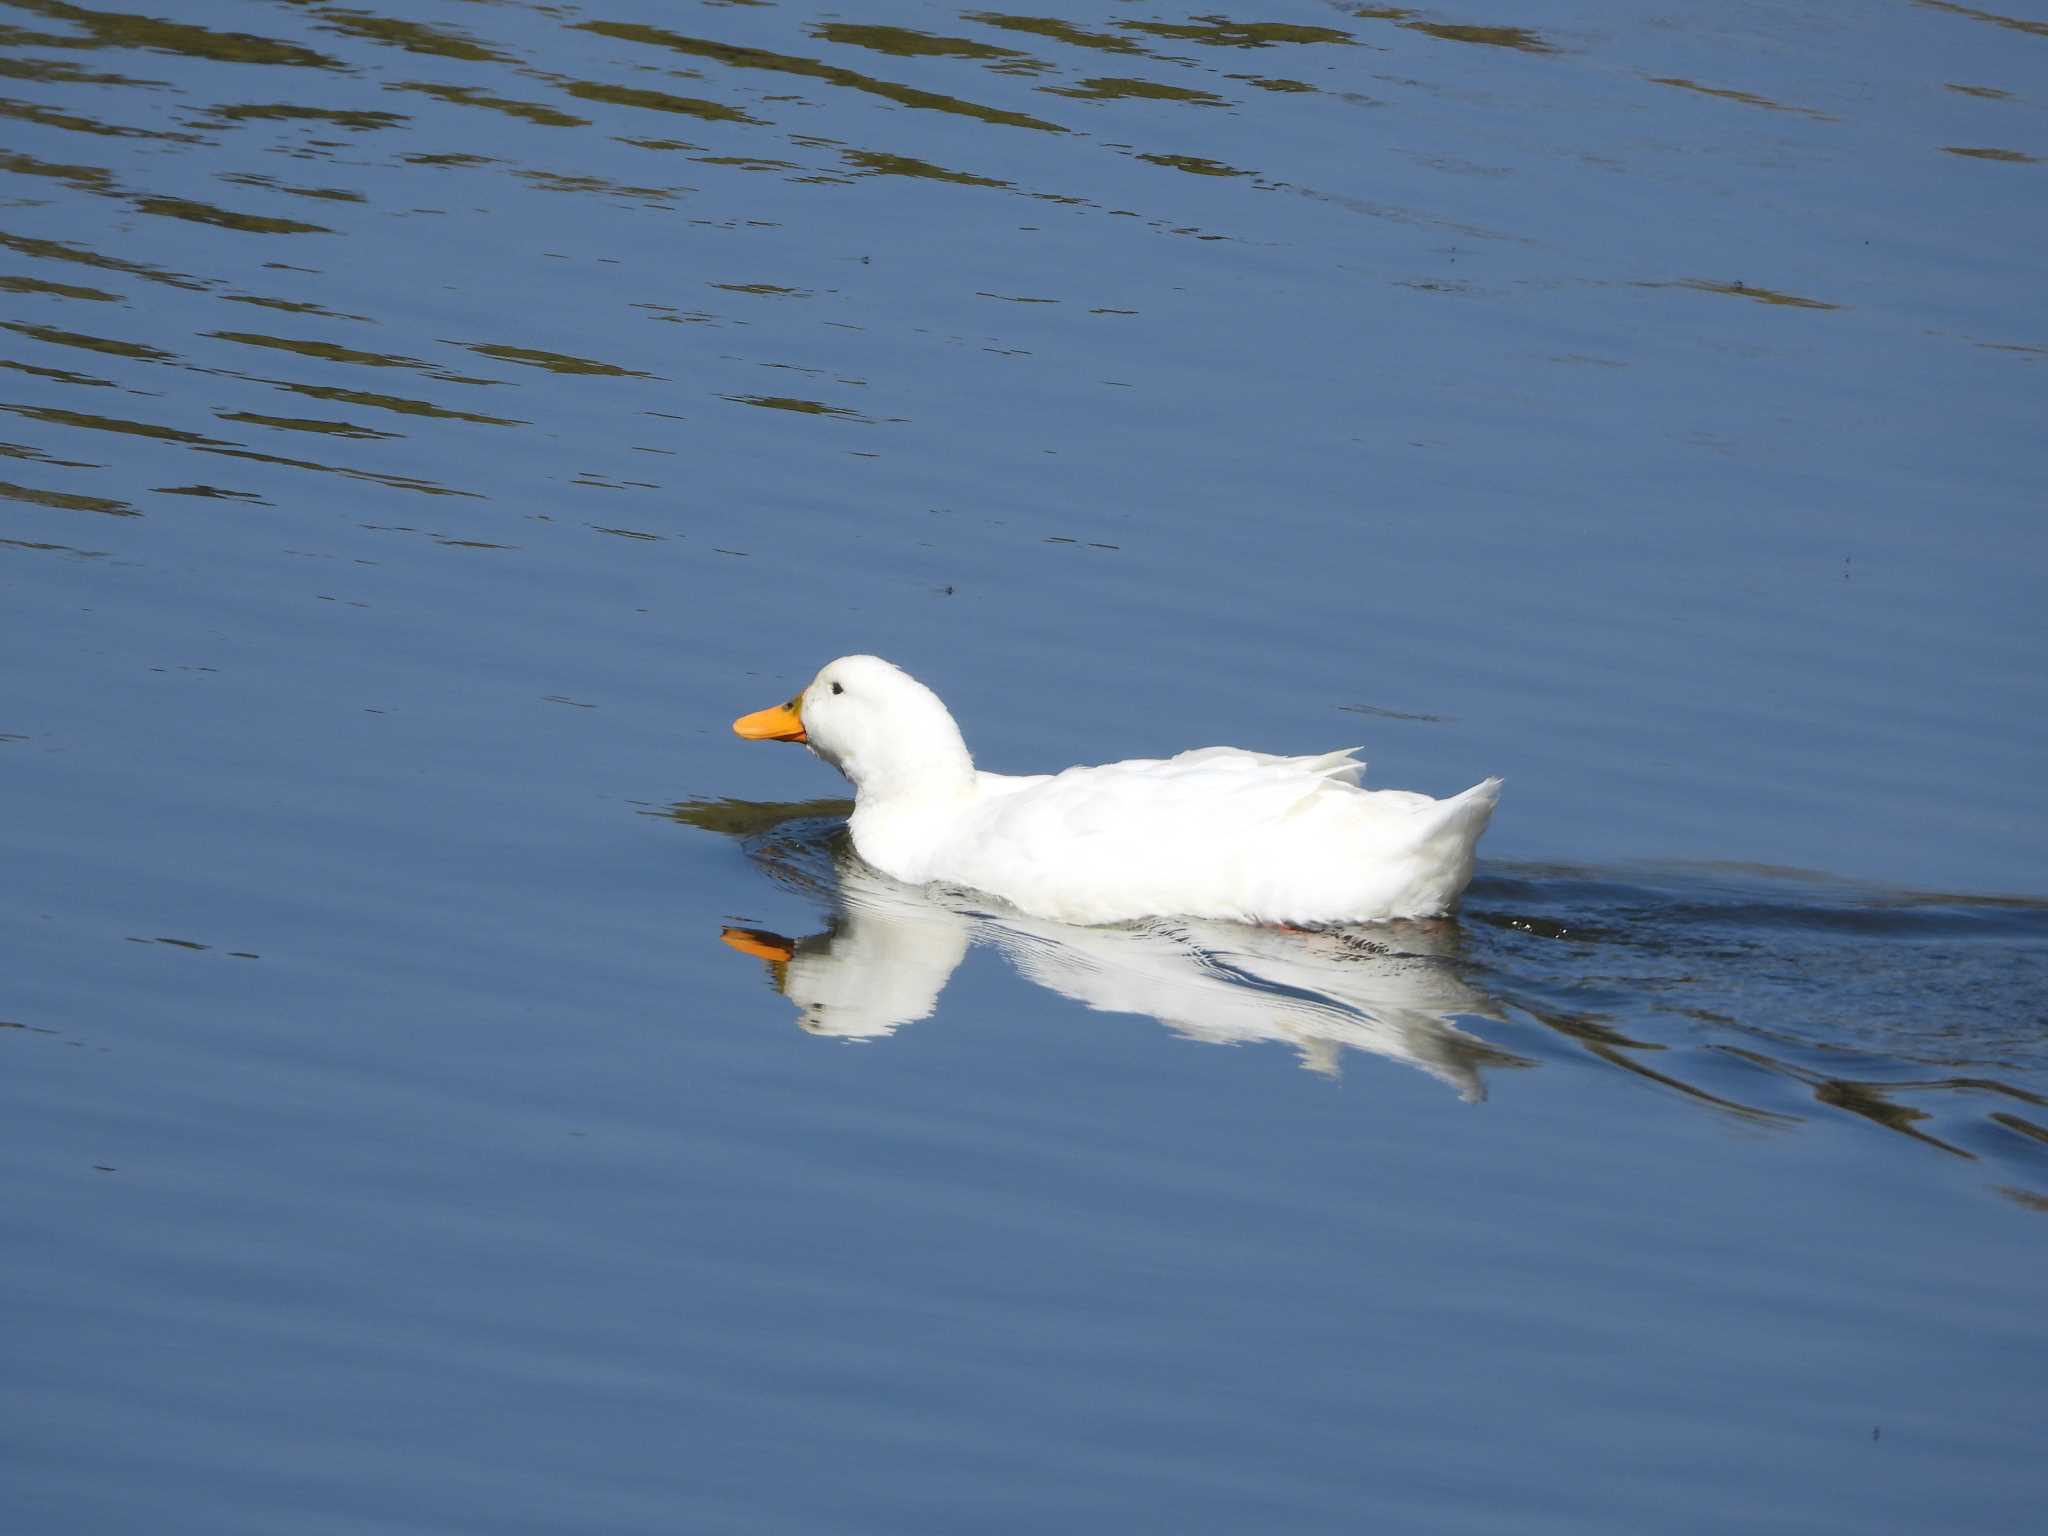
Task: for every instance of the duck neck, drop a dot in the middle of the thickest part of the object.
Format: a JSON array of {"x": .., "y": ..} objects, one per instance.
[
  {"x": 901, "y": 779},
  {"x": 919, "y": 758}
]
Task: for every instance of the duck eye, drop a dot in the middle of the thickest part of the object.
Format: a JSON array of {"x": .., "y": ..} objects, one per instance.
[{"x": 837, "y": 689}]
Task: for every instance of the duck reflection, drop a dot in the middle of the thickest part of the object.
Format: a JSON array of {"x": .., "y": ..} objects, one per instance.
[{"x": 1392, "y": 990}]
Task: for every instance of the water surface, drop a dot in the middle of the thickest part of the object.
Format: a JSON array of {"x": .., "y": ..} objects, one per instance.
[{"x": 423, "y": 429}]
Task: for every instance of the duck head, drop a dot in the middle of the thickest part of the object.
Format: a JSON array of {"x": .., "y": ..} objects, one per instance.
[{"x": 875, "y": 723}]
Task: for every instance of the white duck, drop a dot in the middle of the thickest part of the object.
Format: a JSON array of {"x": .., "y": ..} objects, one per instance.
[{"x": 1218, "y": 832}]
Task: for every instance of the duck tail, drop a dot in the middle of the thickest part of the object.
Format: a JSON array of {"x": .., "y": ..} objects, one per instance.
[
  {"x": 1485, "y": 794},
  {"x": 1464, "y": 816},
  {"x": 1448, "y": 847}
]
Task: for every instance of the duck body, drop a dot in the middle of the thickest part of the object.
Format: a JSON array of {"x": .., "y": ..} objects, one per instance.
[{"x": 1219, "y": 832}]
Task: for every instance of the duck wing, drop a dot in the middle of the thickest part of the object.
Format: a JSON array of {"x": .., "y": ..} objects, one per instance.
[
  {"x": 1219, "y": 832},
  {"x": 1342, "y": 766}
]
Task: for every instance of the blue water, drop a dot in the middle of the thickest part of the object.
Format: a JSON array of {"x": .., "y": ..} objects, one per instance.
[{"x": 423, "y": 430}]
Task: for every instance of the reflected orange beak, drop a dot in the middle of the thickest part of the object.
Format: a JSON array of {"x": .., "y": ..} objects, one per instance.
[
  {"x": 782, "y": 723},
  {"x": 759, "y": 943},
  {"x": 763, "y": 945}
]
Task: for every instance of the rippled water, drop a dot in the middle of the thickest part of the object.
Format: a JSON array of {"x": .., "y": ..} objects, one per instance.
[
  {"x": 1740, "y": 978},
  {"x": 424, "y": 429}
]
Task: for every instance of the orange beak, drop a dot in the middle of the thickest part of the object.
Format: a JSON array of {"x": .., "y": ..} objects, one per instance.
[
  {"x": 759, "y": 943},
  {"x": 782, "y": 723},
  {"x": 763, "y": 945}
]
